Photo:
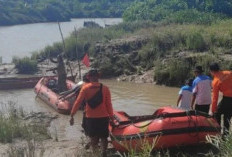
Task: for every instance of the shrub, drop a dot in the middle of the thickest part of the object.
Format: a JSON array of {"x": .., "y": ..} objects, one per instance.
[
  {"x": 25, "y": 65},
  {"x": 204, "y": 60},
  {"x": 52, "y": 51},
  {"x": 193, "y": 16},
  {"x": 161, "y": 44},
  {"x": 175, "y": 73},
  {"x": 133, "y": 25},
  {"x": 11, "y": 125},
  {"x": 195, "y": 41},
  {"x": 224, "y": 145},
  {"x": 104, "y": 66},
  {"x": 178, "y": 11}
]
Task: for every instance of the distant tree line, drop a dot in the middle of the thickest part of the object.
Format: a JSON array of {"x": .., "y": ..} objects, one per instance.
[
  {"x": 32, "y": 11},
  {"x": 179, "y": 11}
]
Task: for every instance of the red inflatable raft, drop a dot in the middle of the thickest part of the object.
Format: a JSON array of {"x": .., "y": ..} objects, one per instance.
[
  {"x": 50, "y": 97},
  {"x": 167, "y": 127}
]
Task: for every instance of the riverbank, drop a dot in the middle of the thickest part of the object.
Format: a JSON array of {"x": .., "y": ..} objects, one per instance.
[
  {"x": 76, "y": 148},
  {"x": 145, "y": 77},
  {"x": 8, "y": 70},
  {"x": 30, "y": 134},
  {"x": 45, "y": 147}
]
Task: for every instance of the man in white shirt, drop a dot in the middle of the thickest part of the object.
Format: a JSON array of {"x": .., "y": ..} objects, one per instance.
[
  {"x": 201, "y": 99},
  {"x": 185, "y": 96}
]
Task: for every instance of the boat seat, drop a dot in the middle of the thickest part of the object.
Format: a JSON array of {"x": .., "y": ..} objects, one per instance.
[{"x": 53, "y": 85}]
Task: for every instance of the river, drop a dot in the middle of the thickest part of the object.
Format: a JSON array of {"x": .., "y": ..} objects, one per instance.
[
  {"x": 22, "y": 40},
  {"x": 135, "y": 99}
]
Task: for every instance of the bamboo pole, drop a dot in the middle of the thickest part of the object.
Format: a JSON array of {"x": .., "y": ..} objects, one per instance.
[
  {"x": 62, "y": 37},
  {"x": 64, "y": 51},
  {"x": 78, "y": 61}
]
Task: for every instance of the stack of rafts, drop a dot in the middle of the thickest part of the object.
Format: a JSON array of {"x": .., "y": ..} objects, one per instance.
[{"x": 167, "y": 127}]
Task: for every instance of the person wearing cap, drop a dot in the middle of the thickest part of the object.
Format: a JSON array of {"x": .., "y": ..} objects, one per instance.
[
  {"x": 97, "y": 117},
  {"x": 222, "y": 81},
  {"x": 201, "y": 98},
  {"x": 185, "y": 95}
]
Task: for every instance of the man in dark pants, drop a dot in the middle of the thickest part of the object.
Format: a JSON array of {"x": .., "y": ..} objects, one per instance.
[
  {"x": 97, "y": 114},
  {"x": 201, "y": 98},
  {"x": 222, "y": 82}
]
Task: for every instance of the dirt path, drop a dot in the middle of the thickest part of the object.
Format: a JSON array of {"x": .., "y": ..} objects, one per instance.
[{"x": 47, "y": 148}]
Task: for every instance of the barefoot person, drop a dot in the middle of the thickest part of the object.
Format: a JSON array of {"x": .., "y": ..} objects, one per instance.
[
  {"x": 98, "y": 110},
  {"x": 222, "y": 81}
]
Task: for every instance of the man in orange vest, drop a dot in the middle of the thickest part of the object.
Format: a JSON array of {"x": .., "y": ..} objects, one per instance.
[
  {"x": 222, "y": 82},
  {"x": 98, "y": 110}
]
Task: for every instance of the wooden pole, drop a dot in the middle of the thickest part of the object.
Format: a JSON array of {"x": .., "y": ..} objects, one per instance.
[
  {"x": 62, "y": 37},
  {"x": 64, "y": 50},
  {"x": 78, "y": 61}
]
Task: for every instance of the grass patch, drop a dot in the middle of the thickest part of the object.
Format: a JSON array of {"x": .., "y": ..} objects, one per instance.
[
  {"x": 25, "y": 65},
  {"x": 12, "y": 125},
  {"x": 224, "y": 145}
]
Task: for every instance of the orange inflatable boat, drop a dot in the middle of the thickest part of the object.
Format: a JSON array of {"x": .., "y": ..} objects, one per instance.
[
  {"x": 46, "y": 90},
  {"x": 167, "y": 127}
]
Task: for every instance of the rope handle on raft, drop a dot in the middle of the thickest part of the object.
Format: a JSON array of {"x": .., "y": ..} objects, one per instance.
[{"x": 153, "y": 117}]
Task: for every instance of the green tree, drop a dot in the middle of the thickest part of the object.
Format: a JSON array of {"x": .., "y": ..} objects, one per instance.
[
  {"x": 158, "y": 10},
  {"x": 29, "y": 11}
]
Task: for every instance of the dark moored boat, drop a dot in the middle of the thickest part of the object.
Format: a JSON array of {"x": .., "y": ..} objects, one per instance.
[
  {"x": 18, "y": 83},
  {"x": 8, "y": 83}
]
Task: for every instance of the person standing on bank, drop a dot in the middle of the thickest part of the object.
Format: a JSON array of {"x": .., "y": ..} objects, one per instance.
[
  {"x": 185, "y": 96},
  {"x": 98, "y": 111},
  {"x": 201, "y": 98},
  {"x": 222, "y": 81}
]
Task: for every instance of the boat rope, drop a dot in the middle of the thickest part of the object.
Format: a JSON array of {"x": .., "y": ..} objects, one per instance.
[
  {"x": 132, "y": 120},
  {"x": 190, "y": 119},
  {"x": 143, "y": 125},
  {"x": 197, "y": 128}
]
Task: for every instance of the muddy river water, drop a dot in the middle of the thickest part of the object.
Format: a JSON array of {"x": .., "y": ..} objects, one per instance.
[
  {"x": 21, "y": 40},
  {"x": 135, "y": 99}
]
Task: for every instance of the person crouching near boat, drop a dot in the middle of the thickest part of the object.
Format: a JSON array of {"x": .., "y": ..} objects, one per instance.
[
  {"x": 98, "y": 111},
  {"x": 185, "y": 96},
  {"x": 222, "y": 82}
]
